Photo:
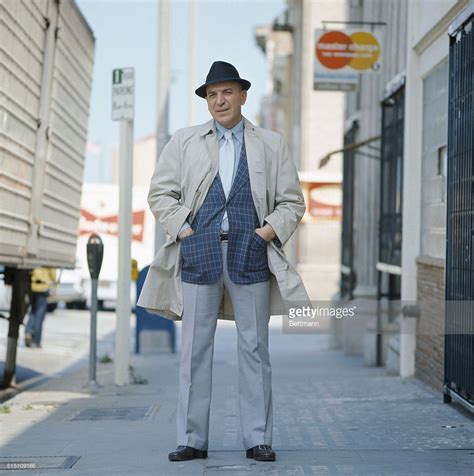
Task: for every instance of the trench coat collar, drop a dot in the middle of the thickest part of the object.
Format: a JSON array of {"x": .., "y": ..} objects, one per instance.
[
  {"x": 208, "y": 127},
  {"x": 253, "y": 146},
  {"x": 255, "y": 157}
]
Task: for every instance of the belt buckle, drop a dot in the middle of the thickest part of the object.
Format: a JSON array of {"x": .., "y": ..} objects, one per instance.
[{"x": 224, "y": 237}]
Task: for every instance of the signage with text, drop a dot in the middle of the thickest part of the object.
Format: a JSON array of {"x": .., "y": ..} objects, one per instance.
[
  {"x": 340, "y": 56},
  {"x": 123, "y": 92}
]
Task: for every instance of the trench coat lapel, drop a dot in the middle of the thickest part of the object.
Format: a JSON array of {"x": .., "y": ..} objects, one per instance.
[
  {"x": 256, "y": 165},
  {"x": 213, "y": 151},
  {"x": 210, "y": 135}
]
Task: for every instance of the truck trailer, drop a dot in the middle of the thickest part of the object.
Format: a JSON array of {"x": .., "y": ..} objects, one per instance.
[{"x": 46, "y": 65}]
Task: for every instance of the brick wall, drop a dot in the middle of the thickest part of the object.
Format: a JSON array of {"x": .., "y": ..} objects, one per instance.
[{"x": 429, "y": 356}]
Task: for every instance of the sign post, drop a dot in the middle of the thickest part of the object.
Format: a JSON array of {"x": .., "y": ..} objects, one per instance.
[{"x": 123, "y": 86}]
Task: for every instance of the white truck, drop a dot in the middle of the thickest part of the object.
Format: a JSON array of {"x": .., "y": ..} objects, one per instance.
[
  {"x": 99, "y": 214},
  {"x": 46, "y": 64}
]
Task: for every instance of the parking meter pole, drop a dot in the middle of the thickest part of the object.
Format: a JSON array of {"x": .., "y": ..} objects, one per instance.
[
  {"x": 95, "y": 253},
  {"x": 124, "y": 308},
  {"x": 93, "y": 334}
]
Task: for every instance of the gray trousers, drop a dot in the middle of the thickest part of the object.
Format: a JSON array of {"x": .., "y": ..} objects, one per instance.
[{"x": 251, "y": 303}]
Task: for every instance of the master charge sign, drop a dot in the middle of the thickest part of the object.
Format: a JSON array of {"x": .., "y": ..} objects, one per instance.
[{"x": 340, "y": 56}]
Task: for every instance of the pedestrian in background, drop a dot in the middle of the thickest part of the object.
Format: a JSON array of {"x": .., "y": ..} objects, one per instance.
[
  {"x": 229, "y": 197},
  {"x": 42, "y": 281}
]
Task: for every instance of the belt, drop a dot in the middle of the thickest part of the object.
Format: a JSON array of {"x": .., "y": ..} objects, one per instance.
[{"x": 224, "y": 237}]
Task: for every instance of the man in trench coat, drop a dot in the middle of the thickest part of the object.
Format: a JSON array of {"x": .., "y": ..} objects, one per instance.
[{"x": 229, "y": 198}]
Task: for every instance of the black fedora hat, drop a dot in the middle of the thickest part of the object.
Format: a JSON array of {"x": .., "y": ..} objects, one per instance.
[{"x": 221, "y": 71}]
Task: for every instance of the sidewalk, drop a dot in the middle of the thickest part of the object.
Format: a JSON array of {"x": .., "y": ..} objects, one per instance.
[
  {"x": 65, "y": 345},
  {"x": 331, "y": 416}
]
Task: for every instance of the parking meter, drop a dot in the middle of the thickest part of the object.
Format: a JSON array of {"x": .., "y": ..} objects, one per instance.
[{"x": 95, "y": 253}]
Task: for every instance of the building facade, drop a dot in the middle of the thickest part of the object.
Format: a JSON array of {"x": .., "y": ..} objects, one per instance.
[
  {"x": 407, "y": 213},
  {"x": 312, "y": 123},
  {"x": 436, "y": 262},
  {"x": 373, "y": 182}
]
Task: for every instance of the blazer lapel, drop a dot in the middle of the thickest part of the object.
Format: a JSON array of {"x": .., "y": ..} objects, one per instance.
[
  {"x": 239, "y": 178},
  {"x": 213, "y": 150}
]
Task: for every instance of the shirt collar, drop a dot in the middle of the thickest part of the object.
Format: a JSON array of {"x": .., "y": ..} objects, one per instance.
[{"x": 237, "y": 130}]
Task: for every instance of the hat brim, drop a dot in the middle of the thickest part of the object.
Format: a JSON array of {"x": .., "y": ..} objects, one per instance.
[{"x": 201, "y": 91}]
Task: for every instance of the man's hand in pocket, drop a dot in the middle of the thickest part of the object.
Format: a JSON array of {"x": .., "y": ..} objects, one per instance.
[
  {"x": 185, "y": 233},
  {"x": 266, "y": 232}
]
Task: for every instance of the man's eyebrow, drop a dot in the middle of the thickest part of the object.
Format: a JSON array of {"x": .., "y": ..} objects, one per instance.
[{"x": 223, "y": 90}]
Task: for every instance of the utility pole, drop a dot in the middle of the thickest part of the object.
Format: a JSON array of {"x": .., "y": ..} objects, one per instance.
[
  {"x": 163, "y": 94},
  {"x": 192, "y": 62}
]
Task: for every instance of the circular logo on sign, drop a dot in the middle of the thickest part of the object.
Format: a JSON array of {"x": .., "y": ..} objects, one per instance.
[
  {"x": 366, "y": 50},
  {"x": 332, "y": 50},
  {"x": 360, "y": 50}
]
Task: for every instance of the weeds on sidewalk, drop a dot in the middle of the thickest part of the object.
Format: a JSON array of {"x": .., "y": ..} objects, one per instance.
[
  {"x": 105, "y": 359},
  {"x": 136, "y": 379},
  {"x": 5, "y": 409}
]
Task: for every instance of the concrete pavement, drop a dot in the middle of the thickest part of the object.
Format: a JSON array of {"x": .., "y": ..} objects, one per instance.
[
  {"x": 332, "y": 415},
  {"x": 65, "y": 347}
]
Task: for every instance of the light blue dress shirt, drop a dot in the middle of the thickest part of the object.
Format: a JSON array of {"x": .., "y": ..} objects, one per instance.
[{"x": 238, "y": 138}]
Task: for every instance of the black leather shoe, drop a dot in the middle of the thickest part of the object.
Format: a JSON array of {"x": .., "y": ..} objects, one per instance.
[
  {"x": 261, "y": 453},
  {"x": 185, "y": 453}
]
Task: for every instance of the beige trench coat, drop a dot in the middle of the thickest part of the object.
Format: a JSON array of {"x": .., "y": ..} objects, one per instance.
[{"x": 182, "y": 178}]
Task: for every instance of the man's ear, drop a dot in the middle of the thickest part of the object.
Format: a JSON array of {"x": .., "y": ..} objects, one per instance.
[{"x": 243, "y": 96}]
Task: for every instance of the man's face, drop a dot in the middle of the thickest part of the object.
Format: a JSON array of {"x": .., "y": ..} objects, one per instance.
[{"x": 225, "y": 101}]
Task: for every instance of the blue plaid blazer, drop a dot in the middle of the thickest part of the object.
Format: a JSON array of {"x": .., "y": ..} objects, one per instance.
[{"x": 201, "y": 252}]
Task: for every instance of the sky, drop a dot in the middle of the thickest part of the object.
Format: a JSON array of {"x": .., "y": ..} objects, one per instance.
[{"x": 126, "y": 34}]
